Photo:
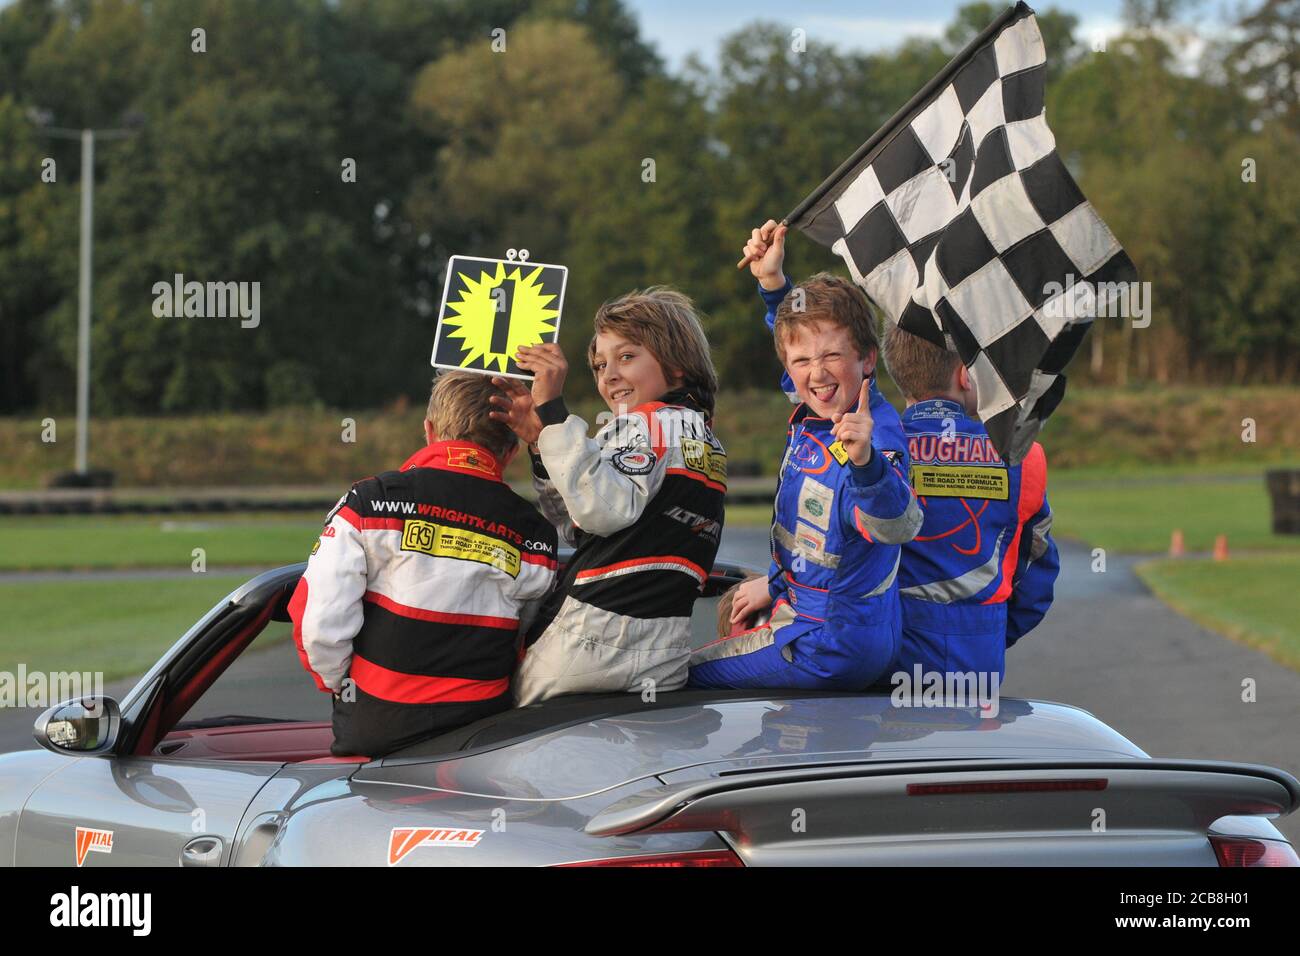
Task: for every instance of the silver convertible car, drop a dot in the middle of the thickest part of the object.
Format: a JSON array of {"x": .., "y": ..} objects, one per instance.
[{"x": 219, "y": 756}]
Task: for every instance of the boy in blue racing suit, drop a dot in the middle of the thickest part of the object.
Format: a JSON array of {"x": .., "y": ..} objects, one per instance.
[
  {"x": 843, "y": 505},
  {"x": 980, "y": 573}
]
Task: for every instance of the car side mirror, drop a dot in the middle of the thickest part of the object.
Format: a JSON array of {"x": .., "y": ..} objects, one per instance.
[{"x": 86, "y": 726}]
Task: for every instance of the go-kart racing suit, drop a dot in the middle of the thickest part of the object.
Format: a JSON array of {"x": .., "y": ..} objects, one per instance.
[
  {"x": 417, "y": 591},
  {"x": 835, "y": 542},
  {"x": 643, "y": 503},
  {"x": 979, "y": 574}
]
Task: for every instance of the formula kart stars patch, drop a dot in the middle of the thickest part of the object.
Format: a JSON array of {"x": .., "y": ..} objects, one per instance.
[
  {"x": 402, "y": 840},
  {"x": 960, "y": 481},
  {"x": 634, "y": 461},
  {"x": 89, "y": 840}
]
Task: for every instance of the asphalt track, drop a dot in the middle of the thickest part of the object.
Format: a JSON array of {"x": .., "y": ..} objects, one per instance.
[{"x": 1108, "y": 646}]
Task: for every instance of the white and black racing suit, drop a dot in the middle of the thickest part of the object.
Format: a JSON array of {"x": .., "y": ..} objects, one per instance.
[
  {"x": 415, "y": 597},
  {"x": 643, "y": 503}
]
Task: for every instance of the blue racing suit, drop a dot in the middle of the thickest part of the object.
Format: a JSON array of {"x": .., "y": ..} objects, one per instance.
[
  {"x": 980, "y": 572},
  {"x": 835, "y": 542}
]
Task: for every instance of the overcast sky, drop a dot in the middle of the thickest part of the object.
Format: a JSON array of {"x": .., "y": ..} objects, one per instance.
[{"x": 679, "y": 27}]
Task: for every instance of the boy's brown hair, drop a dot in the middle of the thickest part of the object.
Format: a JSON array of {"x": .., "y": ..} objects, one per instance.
[
  {"x": 830, "y": 299},
  {"x": 458, "y": 411},
  {"x": 918, "y": 367},
  {"x": 663, "y": 321}
]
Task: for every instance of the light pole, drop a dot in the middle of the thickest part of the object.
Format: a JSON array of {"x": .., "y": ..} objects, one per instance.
[{"x": 87, "y": 137}]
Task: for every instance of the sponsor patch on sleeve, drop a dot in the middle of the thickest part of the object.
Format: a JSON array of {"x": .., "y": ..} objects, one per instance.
[
  {"x": 708, "y": 461},
  {"x": 634, "y": 461},
  {"x": 960, "y": 481}
]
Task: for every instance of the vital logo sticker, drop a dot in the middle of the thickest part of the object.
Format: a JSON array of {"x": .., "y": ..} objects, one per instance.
[
  {"x": 402, "y": 840},
  {"x": 90, "y": 840}
]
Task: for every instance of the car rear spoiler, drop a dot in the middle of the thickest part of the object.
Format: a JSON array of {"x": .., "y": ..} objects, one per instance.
[{"x": 881, "y": 800}]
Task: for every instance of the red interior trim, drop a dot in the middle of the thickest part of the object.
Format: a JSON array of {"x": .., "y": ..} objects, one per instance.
[
  {"x": 184, "y": 698},
  {"x": 289, "y": 742}
]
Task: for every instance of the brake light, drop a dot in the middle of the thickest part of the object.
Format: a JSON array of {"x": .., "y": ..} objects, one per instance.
[
  {"x": 1241, "y": 851},
  {"x": 1005, "y": 786},
  {"x": 706, "y": 858}
]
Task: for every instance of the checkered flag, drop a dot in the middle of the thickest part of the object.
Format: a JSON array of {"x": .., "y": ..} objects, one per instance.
[{"x": 961, "y": 222}]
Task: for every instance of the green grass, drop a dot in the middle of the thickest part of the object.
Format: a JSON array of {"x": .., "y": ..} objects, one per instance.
[
  {"x": 119, "y": 627},
  {"x": 1138, "y": 514},
  {"x": 1135, "y": 510},
  {"x": 1252, "y": 599},
  {"x": 1131, "y": 511},
  {"x": 60, "y": 542},
  {"x": 749, "y": 516}
]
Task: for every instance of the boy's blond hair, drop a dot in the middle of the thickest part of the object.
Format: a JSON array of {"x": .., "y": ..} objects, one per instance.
[
  {"x": 826, "y": 298},
  {"x": 724, "y": 606},
  {"x": 458, "y": 411},
  {"x": 663, "y": 321},
  {"x": 918, "y": 367}
]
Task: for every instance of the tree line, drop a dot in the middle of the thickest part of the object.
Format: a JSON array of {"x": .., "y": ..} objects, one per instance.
[{"x": 339, "y": 151}]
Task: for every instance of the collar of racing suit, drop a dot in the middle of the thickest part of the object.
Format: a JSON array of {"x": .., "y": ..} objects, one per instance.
[
  {"x": 934, "y": 408},
  {"x": 683, "y": 397},
  {"x": 464, "y": 457}
]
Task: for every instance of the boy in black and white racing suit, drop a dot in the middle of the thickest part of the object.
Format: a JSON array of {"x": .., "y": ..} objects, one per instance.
[{"x": 642, "y": 501}]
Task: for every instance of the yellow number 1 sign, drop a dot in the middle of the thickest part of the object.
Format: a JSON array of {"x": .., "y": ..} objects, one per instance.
[{"x": 490, "y": 307}]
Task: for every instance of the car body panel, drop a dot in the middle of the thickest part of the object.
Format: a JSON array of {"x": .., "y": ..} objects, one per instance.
[
  {"x": 293, "y": 785},
  {"x": 353, "y": 824},
  {"x": 663, "y": 740},
  {"x": 154, "y": 808},
  {"x": 540, "y": 785},
  {"x": 21, "y": 773}
]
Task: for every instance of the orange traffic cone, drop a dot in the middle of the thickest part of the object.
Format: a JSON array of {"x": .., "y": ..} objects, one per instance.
[
  {"x": 1221, "y": 548},
  {"x": 1176, "y": 548}
]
